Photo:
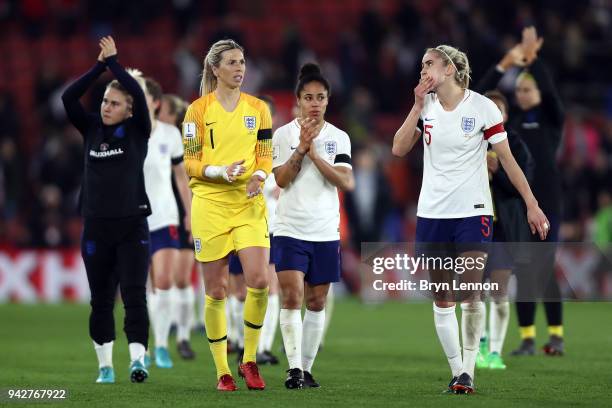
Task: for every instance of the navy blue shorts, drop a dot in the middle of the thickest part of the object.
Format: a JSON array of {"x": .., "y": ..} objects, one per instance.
[
  {"x": 451, "y": 236},
  {"x": 235, "y": 267},
  {"x": 167, "y": 237},
  {"x": 320, "y": 261}
]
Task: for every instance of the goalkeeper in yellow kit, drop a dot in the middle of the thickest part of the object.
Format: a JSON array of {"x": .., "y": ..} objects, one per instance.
[{"x": 227, "y": 136}]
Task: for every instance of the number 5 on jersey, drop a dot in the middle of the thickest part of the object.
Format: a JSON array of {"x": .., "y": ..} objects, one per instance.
[{"x": 428, "y": 134}]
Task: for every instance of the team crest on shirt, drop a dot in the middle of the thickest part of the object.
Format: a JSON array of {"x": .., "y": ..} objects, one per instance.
[
  {"x": 163, "y": 148},
  {"x": 119, "y": 132},
  {"x": 103, "y": 147},
  {"x": 331, "y": 147},
  {"x": 197, "y": 244},
  {"x": 250, "y": 122},
  {"x": 468, "y": 124}
]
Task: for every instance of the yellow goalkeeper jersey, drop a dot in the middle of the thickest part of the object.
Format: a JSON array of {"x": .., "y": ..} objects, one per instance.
[{"x": 214, "y": 136}]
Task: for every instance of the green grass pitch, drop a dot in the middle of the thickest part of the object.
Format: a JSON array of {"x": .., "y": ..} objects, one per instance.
[{"x": 373, "y": 356}]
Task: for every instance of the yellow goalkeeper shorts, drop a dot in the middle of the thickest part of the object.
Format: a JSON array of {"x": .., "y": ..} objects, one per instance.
[{"x": 219, "y": 229}]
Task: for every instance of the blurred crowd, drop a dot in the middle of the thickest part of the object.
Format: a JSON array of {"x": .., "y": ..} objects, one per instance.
[{"x": 372, "y": 60}]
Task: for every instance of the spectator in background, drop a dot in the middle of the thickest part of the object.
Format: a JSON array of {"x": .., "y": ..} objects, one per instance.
[
  {"x": 229, "y": 28},
  {"x": 9, "y": 119},
  {"x": 60, "y": 161},
  {"x": 359, "y": 115},
  {"x": 185, "y": 12},
  {"x": 368, "y": 205},
  {"x": 47, "y": 226},
  {"x": 34, "y": 14},
  {"x": 11, "y": 178},
  {"x": 46, "y": 88},
  {"x": 188, "y": 66}
]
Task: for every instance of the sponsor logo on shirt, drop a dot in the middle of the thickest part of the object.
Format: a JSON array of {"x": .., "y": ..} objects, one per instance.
[
  {"x": 250, "y": 122},
  {"x": 468, "y": 124},
  {"x": 104, "y": 152}
]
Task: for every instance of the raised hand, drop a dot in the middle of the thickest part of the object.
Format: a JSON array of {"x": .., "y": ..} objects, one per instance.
[
  {"x": 531, "y": 44},
  {"x": 108, "y": 47},
  {"x": 514, "y": 57},
  {"x": 425, "y": 86},
  {"x": 308, "y": 131},
  {"x": 312, "y": 153}
]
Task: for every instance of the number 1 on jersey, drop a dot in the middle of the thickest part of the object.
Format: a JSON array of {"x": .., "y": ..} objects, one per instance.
[
  {"x": 212, "y": 140},
  {"x": 428, "y": 134}
]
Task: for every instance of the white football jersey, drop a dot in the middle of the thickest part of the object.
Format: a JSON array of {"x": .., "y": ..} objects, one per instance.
[
  {"x": 455, "y": 178},
  {"x": 309, "y": 207},
  {"x": 165, "y": 149},
  {"x": 269, "y": 195}
]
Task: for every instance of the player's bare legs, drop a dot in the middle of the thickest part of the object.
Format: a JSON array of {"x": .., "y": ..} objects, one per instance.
[
  {"x": 163, "y": 269},
  {"x": 184, "y": 301}
]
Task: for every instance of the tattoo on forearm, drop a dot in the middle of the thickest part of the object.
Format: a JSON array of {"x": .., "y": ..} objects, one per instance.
[
  {"x": 295, "y": 165},
  {"x": 295, "y": 162}
]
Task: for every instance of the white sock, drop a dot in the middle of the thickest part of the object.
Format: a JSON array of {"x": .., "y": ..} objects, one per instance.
[
  {"x": 447, "y": 328},
  {"x": 104, "y": 353},
  {"x": 183, "y": 300},
  {"x": 162, "y": 315},
  {"x": 268, "y": 331},
  {"x": 472, "y": 327},
  {"x": 499, "y": 316},
  {"x": 329, "y": 309},
  {"x": 238, "y": 321},
  {"x": 137, "y": 352},
  {"x": 291, "y": 329},
  {"x": 312, "y": 333}
]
